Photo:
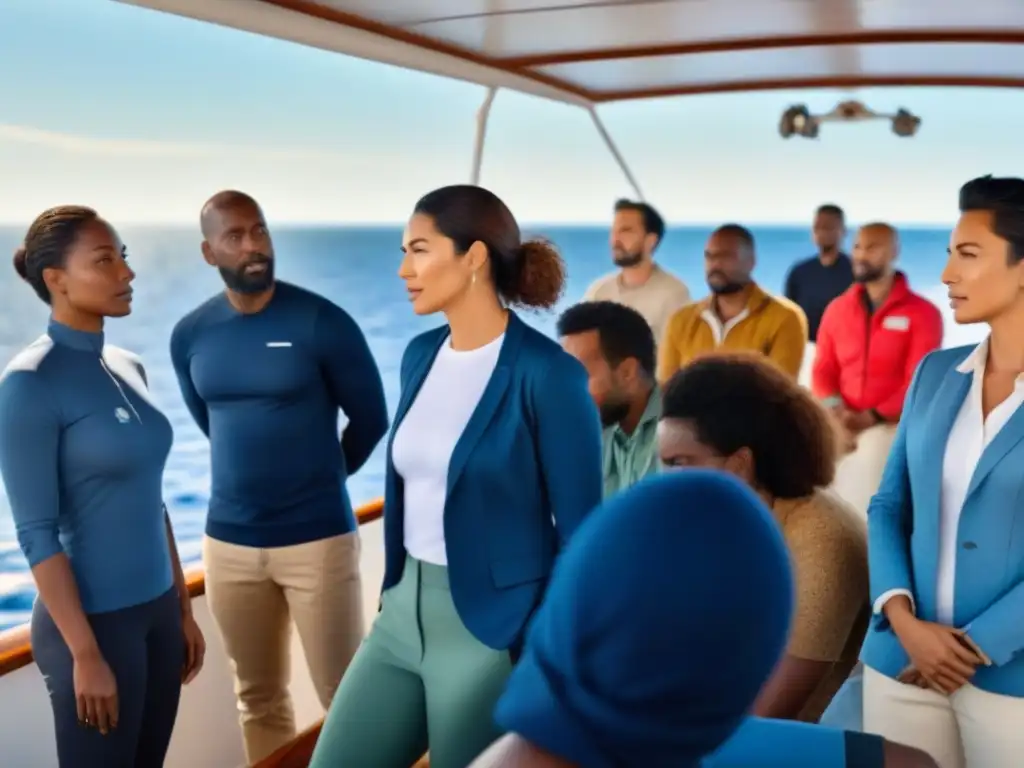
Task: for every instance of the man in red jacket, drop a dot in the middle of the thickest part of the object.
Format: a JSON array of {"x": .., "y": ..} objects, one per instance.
[{"x": 870, "y": 341}]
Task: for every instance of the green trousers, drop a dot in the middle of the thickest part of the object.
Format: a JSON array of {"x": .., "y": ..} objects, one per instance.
[{"x": 419, "y": 681}]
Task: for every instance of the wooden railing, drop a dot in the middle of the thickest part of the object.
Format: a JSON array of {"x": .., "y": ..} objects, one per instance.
[
  {"x": 296, "y": 754},
  {"x": 16, "y": 648}
]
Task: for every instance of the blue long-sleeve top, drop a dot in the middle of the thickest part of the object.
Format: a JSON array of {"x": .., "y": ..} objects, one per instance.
[
  {"x": 266, "y": 388},
  {"x": 82, "y": 455}
]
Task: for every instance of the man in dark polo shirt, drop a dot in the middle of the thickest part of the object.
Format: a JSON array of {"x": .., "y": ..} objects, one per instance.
[{"x": 813, "y": 283}]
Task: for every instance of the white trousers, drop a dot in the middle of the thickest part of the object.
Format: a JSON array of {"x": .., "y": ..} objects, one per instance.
[
  {"x": 970, "y": 729},
  {"x": 858, "y": 474}
]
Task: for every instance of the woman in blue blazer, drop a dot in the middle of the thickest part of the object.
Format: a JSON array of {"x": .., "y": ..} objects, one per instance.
[
  {"x": 493, "y": 461},
  {"x": 945, "y": 660}
]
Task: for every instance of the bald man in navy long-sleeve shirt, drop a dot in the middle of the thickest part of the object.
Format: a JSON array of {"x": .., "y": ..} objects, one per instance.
[{"x": 264, "y": 369}]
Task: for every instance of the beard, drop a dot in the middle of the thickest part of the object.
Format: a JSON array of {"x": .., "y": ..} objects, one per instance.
[
  {"x": 240, "y": 281},
  {"x": 867, "y": 274},
  {"x": 624, "y": 258},
  {"x": 613, "y": 411},
  {"x": 724, "y": 286}
]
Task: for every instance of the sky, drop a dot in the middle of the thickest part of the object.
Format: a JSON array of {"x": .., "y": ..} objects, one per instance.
[{"x": 144, "y": 115}]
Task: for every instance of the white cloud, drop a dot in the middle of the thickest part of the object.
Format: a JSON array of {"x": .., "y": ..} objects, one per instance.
[{"x": 91, "y": 145}]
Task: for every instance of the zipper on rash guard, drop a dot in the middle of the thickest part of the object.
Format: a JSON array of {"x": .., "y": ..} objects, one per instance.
[{"x": 120, "y": 390}]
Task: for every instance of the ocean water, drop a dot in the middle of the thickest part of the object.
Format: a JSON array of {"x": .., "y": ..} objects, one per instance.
[{"x": 355, "y": 267}]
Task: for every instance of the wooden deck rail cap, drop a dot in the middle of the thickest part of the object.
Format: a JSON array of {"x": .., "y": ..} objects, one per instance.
[{"x": 298, "y": 752}]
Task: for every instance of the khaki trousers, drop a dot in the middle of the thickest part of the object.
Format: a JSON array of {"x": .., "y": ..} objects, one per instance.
[
  {"x": 254, "y": 596},
  {"x": 970, "y": 729}
]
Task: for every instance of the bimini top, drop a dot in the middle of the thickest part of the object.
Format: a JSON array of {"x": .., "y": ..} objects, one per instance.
[{"x": 591, "y": 51}]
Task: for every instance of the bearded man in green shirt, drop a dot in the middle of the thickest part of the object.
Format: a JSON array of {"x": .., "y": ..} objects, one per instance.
[{"x": 616, "y": 346}]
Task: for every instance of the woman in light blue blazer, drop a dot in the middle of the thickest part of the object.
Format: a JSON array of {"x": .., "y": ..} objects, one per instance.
[
  {"x": 945, "y": 657},
  {"x": 493, "y": 461}
]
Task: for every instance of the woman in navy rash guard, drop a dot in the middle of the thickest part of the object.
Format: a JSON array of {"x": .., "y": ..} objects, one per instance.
[{"x": 82, "y": 454}]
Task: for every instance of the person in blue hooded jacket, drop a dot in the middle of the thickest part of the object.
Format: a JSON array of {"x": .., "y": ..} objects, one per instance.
[{"x": 650, "y": 648}]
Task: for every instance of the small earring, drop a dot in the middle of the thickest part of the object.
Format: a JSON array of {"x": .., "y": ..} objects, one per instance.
[{"x": 472, "y": 280}]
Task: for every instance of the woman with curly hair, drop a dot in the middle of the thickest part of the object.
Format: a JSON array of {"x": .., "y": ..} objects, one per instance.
[{"x": 741, "y": 414}]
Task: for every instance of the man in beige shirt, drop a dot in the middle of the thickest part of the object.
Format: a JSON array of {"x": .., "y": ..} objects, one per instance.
[{"x": 639, "y": 283}]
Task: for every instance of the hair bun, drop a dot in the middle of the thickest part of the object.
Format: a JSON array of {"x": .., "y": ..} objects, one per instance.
[
  {"x": 541, "y": 276},
  {"x": 20, "y": 262}
]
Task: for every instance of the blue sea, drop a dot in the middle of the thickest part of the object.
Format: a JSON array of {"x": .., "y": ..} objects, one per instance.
[{"x": 355, "y": 267}]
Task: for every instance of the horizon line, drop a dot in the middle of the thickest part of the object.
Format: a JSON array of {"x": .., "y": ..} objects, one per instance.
[{"x": 523, "y": 225}]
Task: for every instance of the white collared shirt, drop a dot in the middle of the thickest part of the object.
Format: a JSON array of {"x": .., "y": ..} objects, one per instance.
[{"x": 970, "y": 434}]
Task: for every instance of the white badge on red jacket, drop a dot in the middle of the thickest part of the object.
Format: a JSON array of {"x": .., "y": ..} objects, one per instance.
[{"x": 896, "y": 323}]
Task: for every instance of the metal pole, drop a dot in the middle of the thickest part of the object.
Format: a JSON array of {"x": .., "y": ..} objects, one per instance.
[
  {"x": 615, "y": 151},
  {"x": 482, "y": 116}
]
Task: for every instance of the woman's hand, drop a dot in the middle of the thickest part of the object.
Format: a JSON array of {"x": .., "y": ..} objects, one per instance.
[
  {"x": 195, "y": 648},
  {"x": 910, "y": 676},
  {"x": 95, "y": 692},
  {"x": 937, "y": 653}
]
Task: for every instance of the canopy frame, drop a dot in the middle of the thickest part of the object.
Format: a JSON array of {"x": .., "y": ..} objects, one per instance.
[
  {"x": 483, "y": 116},
  {"x": 835, "y": 34}
]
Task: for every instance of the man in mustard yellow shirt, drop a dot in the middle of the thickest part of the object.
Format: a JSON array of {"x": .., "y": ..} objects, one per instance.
[{"x": 738, "y": 314}]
